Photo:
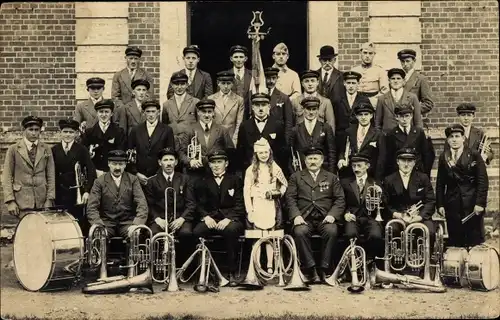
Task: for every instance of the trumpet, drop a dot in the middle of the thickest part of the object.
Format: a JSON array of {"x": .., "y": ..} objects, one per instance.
[
  {"x": 79, "y": 182},
  {"x": 354, "y": 256},
  {"x": 131, "y": 156},
  {"x": 412, "y": 211},
  {"x": 194, "y": 149},
  {"x": 347, "y": 151},
  {"x": 296, "y": 163},
  {"x": 207, "y": 262},
  {"x": 256, "y": 273},
  {"x": 373, "y": 200},
  {"x": 92, "y": 148},
  {"x": 484, "y": 146},
  {"x": 163, "y": 260}
]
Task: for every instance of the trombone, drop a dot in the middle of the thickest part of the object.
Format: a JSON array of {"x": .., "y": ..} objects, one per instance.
[
  {"x": 347, "y": 151},
  {"x": 194, "y": 149},
  {"x": 373, "y": 200},
  {"x": 296, "y": 163}
]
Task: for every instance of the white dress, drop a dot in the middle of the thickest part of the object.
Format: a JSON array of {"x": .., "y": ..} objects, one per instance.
[{"x": 261, "y": 211}]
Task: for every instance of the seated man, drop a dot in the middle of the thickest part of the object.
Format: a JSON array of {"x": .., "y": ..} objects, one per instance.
[
  {"x": 358, "y": 219},
  {"x": 405, "y": 188},
  {"x": 316, "y": 202},
  {"x": 116, "y": 199},
  {"x": 219, "y": 200}
]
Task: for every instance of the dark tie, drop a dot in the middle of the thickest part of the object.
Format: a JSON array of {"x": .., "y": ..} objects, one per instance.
[
  {"x": 206, "y": 127},
  {"x": 169, "y": 181},
  {"x": 238, "y": 78},
  {"x": 325, "y": 79},
  {"x": 32, "y": 153},
  {"x": 259, "y": 121}
]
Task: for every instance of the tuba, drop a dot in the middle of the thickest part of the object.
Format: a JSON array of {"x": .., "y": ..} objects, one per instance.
[
  {"x": 132, "y": 156},
  {"x": 355, "y": 257},
  {"x": 256, "y": 275},
  {"x": 79, "y": 182},
  {"x": 194, "y": 149},
  {"x": 96, "y": 249},
  {"x": 163, "y": 250},
  {"x": 484, "y": 146},
  {"x": 296, "y": 163},
  {"x": 207, "y": 262},
  {"x": 373, "y": 200}
]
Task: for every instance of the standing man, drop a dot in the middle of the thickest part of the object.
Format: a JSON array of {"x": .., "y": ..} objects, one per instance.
[
  {"x": 330, "y": 82},
  {"x": 310, "y": 83},
  {"x": 85, "y": 113},
  {"x": 104, "y": 136},
  {"x": 147, "y": 139},
  {"x": 219, "y": 200},
  {"x": 131, "y": 114},
  {"x": 281, "y": 106},
  {"x": 116, "y": 199},
  {"x": 242, "y": 77},
  {"x": 288, "y": 80},
  {"x": 373, "y": 82},
  {"x": 462, "y": 188},
  {"x": 28, "y": 177},
  {"x": 199, "y": 82},
  {"x": 316, "y": 203},
  {"x": 229, "y": 106},
  {"x": 121, "y": 90},
  {"x": 66, "y": 154}
]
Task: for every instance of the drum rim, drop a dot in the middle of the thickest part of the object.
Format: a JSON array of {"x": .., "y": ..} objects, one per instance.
[{"x": 475, "y": 252}]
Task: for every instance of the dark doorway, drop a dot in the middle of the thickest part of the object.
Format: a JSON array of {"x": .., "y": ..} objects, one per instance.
[{"x": 216, "y": 26}]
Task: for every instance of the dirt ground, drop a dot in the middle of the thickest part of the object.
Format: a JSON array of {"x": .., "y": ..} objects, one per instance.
[{"x": 322, "y": 300}]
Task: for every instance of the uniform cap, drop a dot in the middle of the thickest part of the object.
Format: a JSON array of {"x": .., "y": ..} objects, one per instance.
[
  {"x": 407, "y": 53},
  {"x": 217, "y": 154},
  {"x": 105, "y": 103},
  {"x": 69, "y": 123},
  {"x": 191, "y": 49},
  {"x": 133, "y": 51},
  {"x": 466, "y": 108},
  {"x": 205, "y": 103},
  {"x": 166, "y": 151},
  {"x": 95, "y": 82},
  {"x": 406, "y": 153},
  {"x": 179, "y": 77},
  {"x": 150, "y": 103},
  {"x": 117, "y": 155},
  {"x": 32, "y": 120},
  {"x": 394, "y": 71},
  {"x": 140, "y": 82},
  {"x": 454, "y": 128}
]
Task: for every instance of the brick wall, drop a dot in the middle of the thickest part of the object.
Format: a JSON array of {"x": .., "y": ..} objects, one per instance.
[
  {"x": 353, "y": 31},
  {"x": 37, "y": 62},
  {"x": 144, "y": 32},
  {"x": 460, "y": 57}
]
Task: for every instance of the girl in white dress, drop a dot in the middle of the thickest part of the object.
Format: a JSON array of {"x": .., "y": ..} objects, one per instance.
[{"x": 263, "y": 188}]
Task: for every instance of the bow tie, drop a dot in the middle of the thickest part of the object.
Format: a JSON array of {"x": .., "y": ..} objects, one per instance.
[
  {"x": 219, "y": 177},
  {"x": 259, "y": 121}
]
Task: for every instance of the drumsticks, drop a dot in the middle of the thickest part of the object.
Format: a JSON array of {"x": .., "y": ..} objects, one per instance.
[{"x": 464, "y": 220}]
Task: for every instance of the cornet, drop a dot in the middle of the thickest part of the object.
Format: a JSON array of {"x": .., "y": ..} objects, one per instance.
[
  {"x": 163, "y": 250},
  {"x": 412, "y": 211},
  {"x": 373, "y": 200},
  {"x": 92, "y": 148},
  {"x": 484, "y": 146},
  {"x": 131, "y": 156},
  {"x": 194, "y": 149},
  {"x": 296, "y": 163},
  {"x": 79, "y": 182}
]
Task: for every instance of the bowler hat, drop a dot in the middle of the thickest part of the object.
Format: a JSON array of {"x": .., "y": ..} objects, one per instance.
[{"x": 326, "y": 52}]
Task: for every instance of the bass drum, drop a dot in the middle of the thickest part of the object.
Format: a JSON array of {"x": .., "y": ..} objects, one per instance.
[
  {"x": 482, "y": 268},
  {"x": 452, "y": 272},
  {"x": 48, "y": 251}
]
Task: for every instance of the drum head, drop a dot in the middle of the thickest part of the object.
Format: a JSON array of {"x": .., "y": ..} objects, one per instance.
[
  {"x": 490, "y": 270},
  {"x": 33, "y": 252}
]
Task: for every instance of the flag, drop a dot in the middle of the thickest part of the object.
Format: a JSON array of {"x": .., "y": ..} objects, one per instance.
[{"x": 258, "y": 76}]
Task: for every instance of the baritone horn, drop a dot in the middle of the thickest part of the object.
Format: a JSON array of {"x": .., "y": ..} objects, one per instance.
[
  {"x": 374, "y": 200},
  {"x": 96, "y": 250},
  {"x": 163, "y": 250},
  {"x": 194, "y": 149},
  {"x": 296, "y": 163}
]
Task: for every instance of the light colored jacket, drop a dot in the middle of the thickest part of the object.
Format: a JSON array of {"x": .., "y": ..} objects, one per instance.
[{"x": 229, "y": 116}]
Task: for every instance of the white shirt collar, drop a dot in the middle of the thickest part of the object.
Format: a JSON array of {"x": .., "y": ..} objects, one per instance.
[
  {"x": 94, "y": 101},
  {"x": 117, "y": 180},
  {"x": 467, "y": 130},
  {"x": 104, "y": 126},
  {"x": 169, "y": 175},
  {"x": 203, "y": 125},
  {"x": 397, "y": 92},
  {"x": 188, "y": 71},
  {"x": 404, "y": 176},
  {"x": 181, "y": 97},
  {"x": 458, "y": 151},
  {"x": 409, "y": 73},
  {"x": 403, "y": 129},
  {"x": 69, "y": 145},
  {"x": 271, "y": 91},
  {"x": 131, "y": 71},
  {"x": 360, "y": 127},
  {"x": 311, "y": 123},
  {"x": 364, "y": 177},
  {"x": 138, "y": 103},
  {"x": 239, "y": 72},
  {"x": 151, "y": 125},
  {"x": 314, "y": 175},
  {"x": 28, "y": 143},
  {"x": 314, "y": 94}
]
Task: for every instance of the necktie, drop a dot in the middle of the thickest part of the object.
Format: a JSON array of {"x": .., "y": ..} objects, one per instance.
[
  {"x": 238, "y": 77},
  {"x": 32, "y": 153},
  {"x": 190, "y": 78},
  {"x": 325, "y": 78},
  {"x": 169, "y": 181},
  {"x": 361, "y": 184},
  {"x": 132, "y": 74},
  {"x": 66, "y": 147},
  {"x": 261, "y": 120},
  {"x": 454, "y": 156},
  {"x": 206, "y": 127}
]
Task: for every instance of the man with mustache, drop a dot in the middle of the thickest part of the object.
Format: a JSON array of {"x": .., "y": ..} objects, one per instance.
[
  {"x": 316, "y": 203},
  {"x": 121, "y": 90},
  {"x": 116, "y": 199}
]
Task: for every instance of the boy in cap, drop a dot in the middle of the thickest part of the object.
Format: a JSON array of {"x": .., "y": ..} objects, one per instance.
[
  {"x": 66, "y": 154},
  {"x": 462, "y": 188},
  {"x": 116, "y": 199},
  {"x": 131, "y": 114},
  {"x": 121, "y": 90},
  {"x": 229, "y": 106},
  {"x": 84, "y": 112},
  {"x": 473, "y": 136},
  {"x": 261, "y": 125},
  {"x": 363, "y": 138},
  {"x": 373, "y": 82},
  {"x": 208, "y": 135},
  {"x": 309, "y": 80},
  {"x": 281, "y": 106},
  {"x": 288, "y": 80},
  {"x": 199, "y": 84},
  {"x": 313, "y": 133},
  {"x": 147, "y": 139},
  {"x": 397, "y": 96},
  {"x": 104, "y": 136},
  {"x": 28, "y": 177},
  {"x": 405, "y": 135},
  {"x": 316, "y": 203},
  {"x": 218, "y": 196},
  {"x": 242, "y": 77}
]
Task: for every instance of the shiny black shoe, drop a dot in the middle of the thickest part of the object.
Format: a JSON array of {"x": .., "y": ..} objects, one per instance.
[
  {"x": 321, "y": 275},
  {"x": 233, "y": 282}
]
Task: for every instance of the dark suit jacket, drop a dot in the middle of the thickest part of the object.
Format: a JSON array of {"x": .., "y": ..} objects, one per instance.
[
  {"x": 65, "y": 172},
  {"x": 356, "y": 202},
  {"x": 334, "y": 87},
  {"x": 418, "y": 85},
  {"x": 324, "y": 196},
  {"x": 419, "y": 189},
  {"x": 322, "y": 137},
  {"x": 344, "y": 115},
  {"x": 129, "y": 116},
  {"x": 273, "y": 132},
  {"x": 110, "y": 205},
  {"x": 114, "y": 138},
  {"x": 200, "y": 88},
  {"x": 385, "y": 118},
  {"x": 121, "y": 90},
  {"x": 155, "y": 195},
  {"x": 396, "y": 140},
  {"x": 147, "y": 147},
  {"x": 220, "y": 202},
  {"x": 247, "y": 79},
  {"x": 281, "y": 108}
]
